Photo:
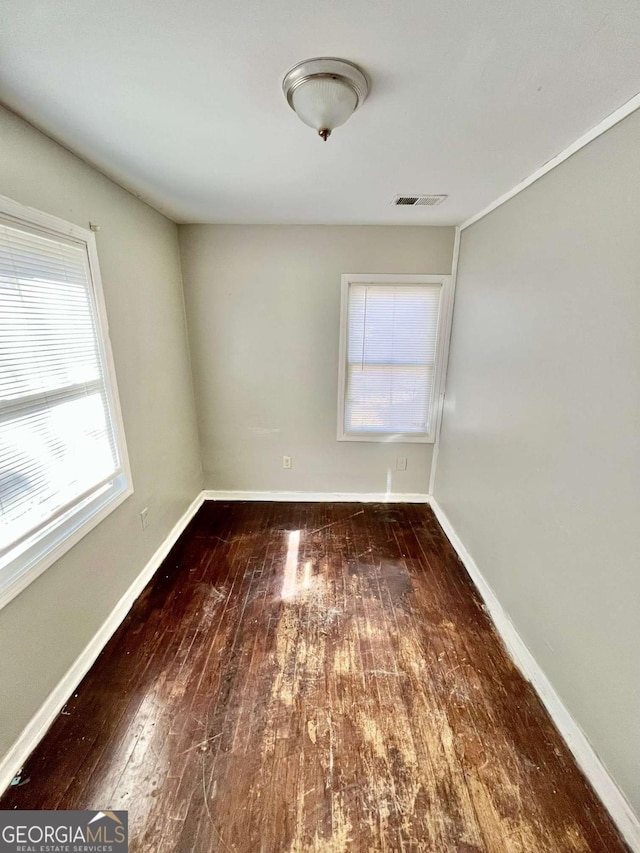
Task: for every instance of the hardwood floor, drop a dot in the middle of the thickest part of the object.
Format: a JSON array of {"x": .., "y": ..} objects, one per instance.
[{"x": 315, "y": 677}]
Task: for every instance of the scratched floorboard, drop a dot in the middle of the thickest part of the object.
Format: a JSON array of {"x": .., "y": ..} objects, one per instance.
[{"x": 315, "y": 677}]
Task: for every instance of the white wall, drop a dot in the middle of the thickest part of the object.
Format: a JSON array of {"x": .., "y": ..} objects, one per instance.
[
  {"x": 263, "y": 304},
  {"x": 47, "y": 626},
  {"x": 539, "y": 466}
]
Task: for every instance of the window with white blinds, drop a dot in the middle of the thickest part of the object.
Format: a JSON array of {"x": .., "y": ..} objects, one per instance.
[
  {"x": 62, "y": 457},
  {"x": 390, "y": 345}
]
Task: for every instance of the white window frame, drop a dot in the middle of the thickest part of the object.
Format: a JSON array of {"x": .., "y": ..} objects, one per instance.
[
  {"x": 31, "y": 557},
  {"x": 444, "y": 322}
]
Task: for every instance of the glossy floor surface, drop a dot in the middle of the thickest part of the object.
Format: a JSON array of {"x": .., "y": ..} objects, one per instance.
[{"x": 315, "y": 677}]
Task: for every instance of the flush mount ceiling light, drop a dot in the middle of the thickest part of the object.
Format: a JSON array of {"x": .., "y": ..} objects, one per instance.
[{"x": 324, "y": 92}]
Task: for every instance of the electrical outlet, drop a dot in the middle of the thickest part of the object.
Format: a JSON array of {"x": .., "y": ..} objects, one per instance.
[
  {"x": 286, "y": 462},
  {"x": 401, "y": 463},
  {"x": 144, "y": 518}
]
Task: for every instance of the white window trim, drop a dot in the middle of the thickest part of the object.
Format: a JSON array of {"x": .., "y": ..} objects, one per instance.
[
  {"x": 444, "y": 324},
  {"x": 35, "y": 555}
]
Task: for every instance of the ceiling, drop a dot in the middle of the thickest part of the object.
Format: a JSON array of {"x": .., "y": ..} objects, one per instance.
[{"x": 180, "y": 100}]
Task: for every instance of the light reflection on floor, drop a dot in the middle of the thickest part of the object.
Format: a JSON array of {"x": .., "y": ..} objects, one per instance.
[{"x": 291, "y": 585}]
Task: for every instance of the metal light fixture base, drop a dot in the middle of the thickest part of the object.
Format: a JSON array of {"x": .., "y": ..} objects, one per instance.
[{"x": 329, "y": 67}]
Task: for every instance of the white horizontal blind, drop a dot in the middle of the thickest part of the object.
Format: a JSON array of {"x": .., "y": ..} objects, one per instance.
[
  {"x": 57, "y": 439},
  {"x": 392, "y": 336}
]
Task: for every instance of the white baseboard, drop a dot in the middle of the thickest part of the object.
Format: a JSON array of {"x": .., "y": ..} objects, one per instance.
[
  {"x": 320, "y": 497},
  {"x": 611, "y": 796},
  {"x": 31, "y": 735}
]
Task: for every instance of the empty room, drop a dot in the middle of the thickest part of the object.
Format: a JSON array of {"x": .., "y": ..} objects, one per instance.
[{"x": 319, "y": 426}]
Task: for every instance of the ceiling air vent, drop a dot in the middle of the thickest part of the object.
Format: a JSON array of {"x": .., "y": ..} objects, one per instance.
[{"x": 418, "y": 200}]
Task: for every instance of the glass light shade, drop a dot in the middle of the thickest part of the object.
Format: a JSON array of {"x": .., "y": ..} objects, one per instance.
[{"x": 324, "y": 102}]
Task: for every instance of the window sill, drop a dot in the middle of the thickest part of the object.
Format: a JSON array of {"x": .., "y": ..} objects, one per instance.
[
  {"x": 388, "y": 438},
  {"x": 21, "y": 565}
]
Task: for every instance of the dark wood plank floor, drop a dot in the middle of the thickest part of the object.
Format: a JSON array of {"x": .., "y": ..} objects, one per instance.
[{"x": 315, "y": 677}]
